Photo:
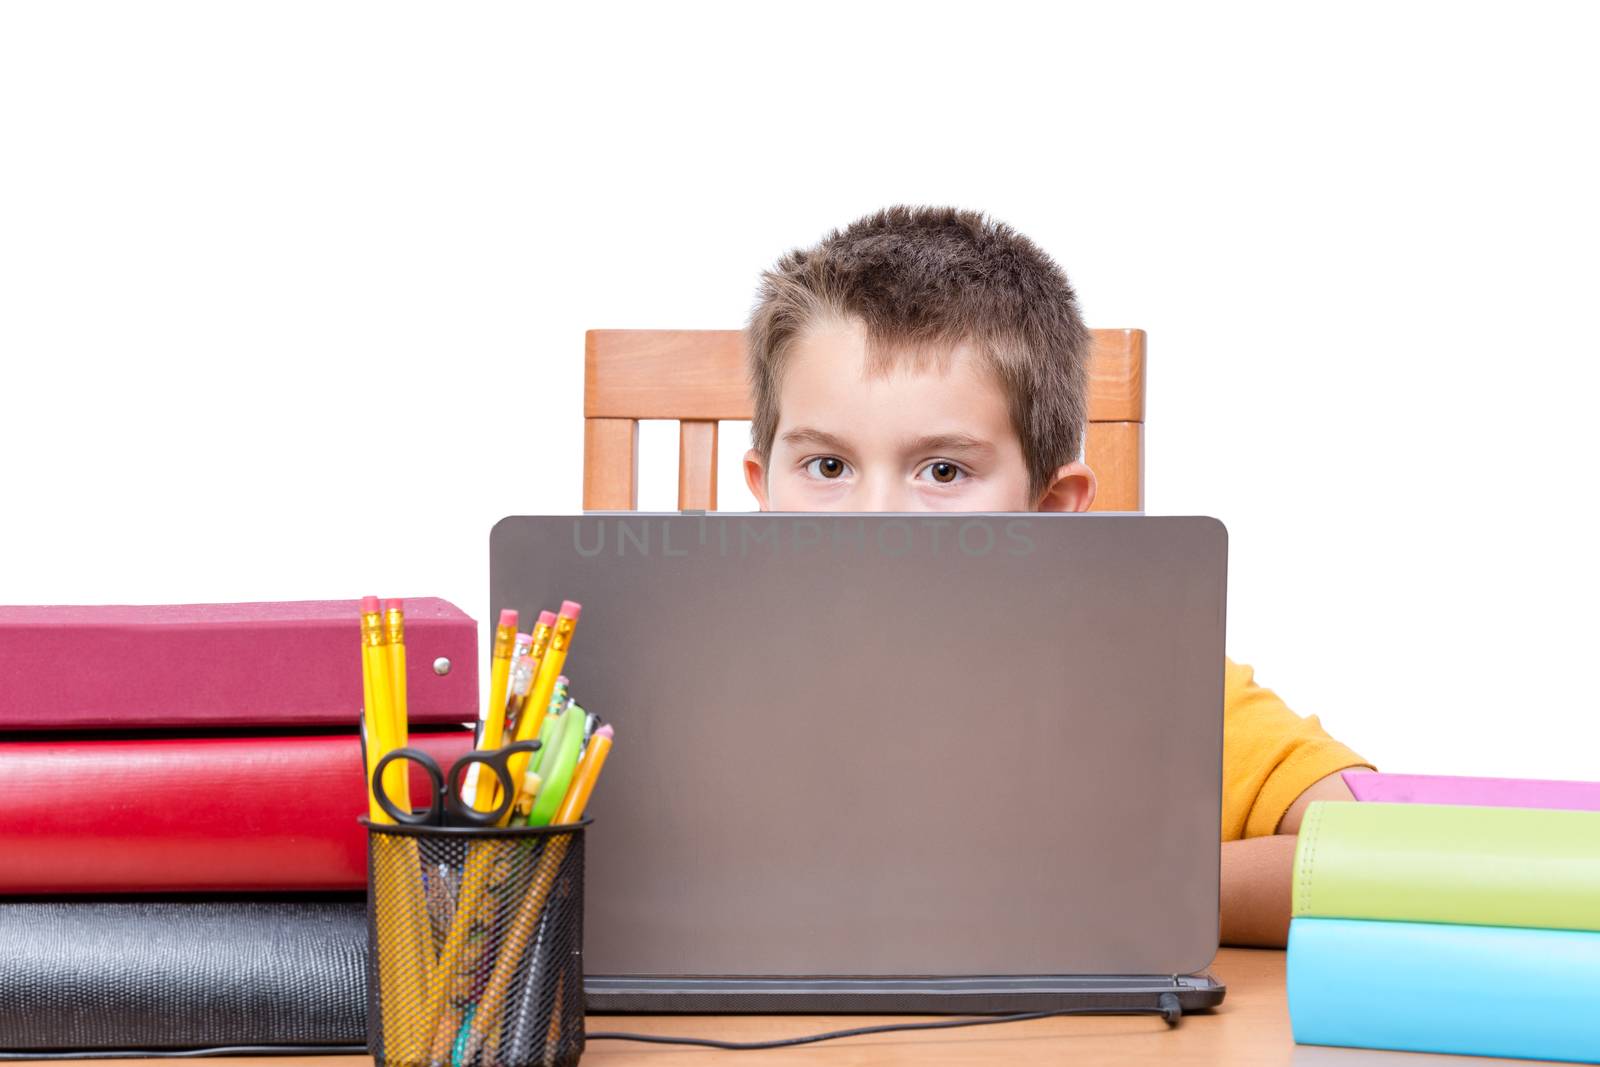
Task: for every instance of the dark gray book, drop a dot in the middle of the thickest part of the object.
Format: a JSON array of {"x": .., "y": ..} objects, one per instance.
[{"x": 168, "y": 975}]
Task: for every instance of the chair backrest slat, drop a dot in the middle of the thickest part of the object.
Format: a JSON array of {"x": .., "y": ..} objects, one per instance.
[{"x": 697, "y": 465}]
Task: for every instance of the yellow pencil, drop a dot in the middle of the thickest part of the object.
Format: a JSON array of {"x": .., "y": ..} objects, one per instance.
[
  {"x": 543, "y": 631},
  {"x": 394, "y": 625},
  {"x": 584, "y": 778},
  {"x": 492, "y": 1002},
  {"x": 369, "y": 737},
  {"x": 533, "y": 710},
  {"x": 380, "y": 717},
  {"x": 494, "y": 713}
]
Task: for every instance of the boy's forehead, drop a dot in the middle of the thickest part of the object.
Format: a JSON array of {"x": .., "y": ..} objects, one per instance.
[{"x": 832, "y": 380}]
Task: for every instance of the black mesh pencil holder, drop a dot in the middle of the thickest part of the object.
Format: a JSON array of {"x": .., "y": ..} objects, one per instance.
[{"x": 476, "y": 946}]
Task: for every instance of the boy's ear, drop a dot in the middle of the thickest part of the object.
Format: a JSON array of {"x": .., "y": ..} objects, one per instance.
[
  {"x": 755, "y": 476},
  {"x": 1071, "y": 489}
]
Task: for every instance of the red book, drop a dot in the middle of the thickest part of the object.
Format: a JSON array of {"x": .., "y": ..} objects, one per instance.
[
  {"x": 275, "y": 664},
  {"x": 191, "y": 814}
]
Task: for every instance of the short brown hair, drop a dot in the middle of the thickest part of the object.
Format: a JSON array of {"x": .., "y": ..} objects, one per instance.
[{"x": 924, "y": 277}]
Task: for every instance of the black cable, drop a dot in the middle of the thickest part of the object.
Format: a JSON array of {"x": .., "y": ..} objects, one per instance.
[{"x": 1169, "y": 1010}]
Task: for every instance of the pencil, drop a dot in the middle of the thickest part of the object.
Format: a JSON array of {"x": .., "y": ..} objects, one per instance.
[
  {"x": 494, "y": 714},
  {"x": 375, "y": 650},
  {"x": 584, "y": 778},
  {"x": 543, "y": 631},
  {"x": 523, "y": 924},
  {"x": 371, "y": 747},
  {"x": 544, "y": 684},
  {"x": 394, "y": 624},
  {"x": 406, "y": 953},
  {"x": 545, "y": 878},
  {"x": 553, "y": 1034},
  {"x": 448, "y": 984}
]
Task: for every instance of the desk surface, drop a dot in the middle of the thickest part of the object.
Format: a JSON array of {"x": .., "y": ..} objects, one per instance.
[{"x": 1251, "y": 1027}]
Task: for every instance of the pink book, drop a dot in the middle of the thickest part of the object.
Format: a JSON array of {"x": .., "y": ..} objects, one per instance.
[
  {"x": 1474, "y": 792},
  {"x": 284, "y": 663}
]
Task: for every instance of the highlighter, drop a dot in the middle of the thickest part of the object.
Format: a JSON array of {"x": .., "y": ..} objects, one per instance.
[
  {"x": 552, "y": 722},
  {"x": 558, "y": 768}
]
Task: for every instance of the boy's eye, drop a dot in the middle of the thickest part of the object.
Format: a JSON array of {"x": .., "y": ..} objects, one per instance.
[
  {"x": 943, "y": 471},
  {"x": 829, "y": 467}
]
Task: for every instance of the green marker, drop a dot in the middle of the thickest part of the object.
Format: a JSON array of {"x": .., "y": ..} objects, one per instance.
[{"x": 558, "y": 767}]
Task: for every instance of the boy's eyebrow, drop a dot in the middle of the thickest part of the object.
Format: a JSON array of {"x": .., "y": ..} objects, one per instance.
[
  {"x": 938, "y": 442},
  {"x": 805, "y": 435},
  {"x": 950, "y": 442}
]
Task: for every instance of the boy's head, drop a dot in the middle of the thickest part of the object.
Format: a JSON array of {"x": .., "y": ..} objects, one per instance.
[{"x": 921, "y": 359}]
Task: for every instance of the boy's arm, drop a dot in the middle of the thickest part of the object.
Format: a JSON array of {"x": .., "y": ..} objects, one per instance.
[{"x": 1258, "y": 873}]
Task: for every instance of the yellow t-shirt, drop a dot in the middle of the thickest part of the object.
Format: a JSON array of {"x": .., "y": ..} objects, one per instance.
[{"x": 1270, "y": 755}]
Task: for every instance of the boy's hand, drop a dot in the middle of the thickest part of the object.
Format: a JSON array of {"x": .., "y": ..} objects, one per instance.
[{"x": 1258, "y": 873}]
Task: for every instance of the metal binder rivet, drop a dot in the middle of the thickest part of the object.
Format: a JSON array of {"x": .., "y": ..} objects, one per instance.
[{"x": 441, "y": 666}]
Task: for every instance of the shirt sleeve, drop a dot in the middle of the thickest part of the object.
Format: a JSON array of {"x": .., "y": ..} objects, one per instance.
[{"x": 1270, "y": 755}]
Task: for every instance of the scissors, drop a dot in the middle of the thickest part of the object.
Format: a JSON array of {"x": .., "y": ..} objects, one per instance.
[{"x": 445, "y": 806}]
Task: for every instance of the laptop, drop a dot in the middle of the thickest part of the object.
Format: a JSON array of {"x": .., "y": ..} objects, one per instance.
[{"x": 897, "y": 763}]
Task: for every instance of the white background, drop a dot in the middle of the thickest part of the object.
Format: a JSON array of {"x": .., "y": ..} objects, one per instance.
[{"x": 292, "y": 295}]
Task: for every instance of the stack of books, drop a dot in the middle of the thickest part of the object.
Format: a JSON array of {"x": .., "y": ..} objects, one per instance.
[
  {"x": 1461, "y": 927},
  {"x": 183, "y": 865}
]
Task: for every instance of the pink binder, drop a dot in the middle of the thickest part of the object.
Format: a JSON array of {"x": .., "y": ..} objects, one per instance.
[
  {"x": 285, "y": 663},
  {"x": 1477, "y": 792}
]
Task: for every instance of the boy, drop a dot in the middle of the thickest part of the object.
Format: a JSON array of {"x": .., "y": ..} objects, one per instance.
[{"x": 929, "y": 359}]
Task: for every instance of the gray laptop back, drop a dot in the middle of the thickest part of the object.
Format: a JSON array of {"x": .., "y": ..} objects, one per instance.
[{"x": 893, "y": 745}]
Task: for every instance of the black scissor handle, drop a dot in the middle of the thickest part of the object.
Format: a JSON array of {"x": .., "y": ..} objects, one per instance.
[
  {"x": 434, "y": 815},
  {"x": 497, "y": 760}
]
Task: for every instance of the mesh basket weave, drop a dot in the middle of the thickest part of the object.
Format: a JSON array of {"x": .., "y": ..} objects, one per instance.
[{"x": 476, "y": 946}]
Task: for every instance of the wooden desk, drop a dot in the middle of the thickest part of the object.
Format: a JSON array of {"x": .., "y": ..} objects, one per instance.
[{"x": 1250, "y": 1028}]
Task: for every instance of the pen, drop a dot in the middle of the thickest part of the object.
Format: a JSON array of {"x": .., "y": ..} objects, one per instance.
[
  {"x": 525, "y": 1017},
  {"x": 521, "y": 679}
]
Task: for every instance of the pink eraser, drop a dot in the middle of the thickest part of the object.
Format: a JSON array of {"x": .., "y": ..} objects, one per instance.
[
  {"x": 394, "y": 605},
  {"x": 605, "y": 731},
  {"x": 570, "y": 609},
  {"x": 508, "y": 617},
  {"x": 547, "y": 618},
  {"x": 369, "y": 604}
]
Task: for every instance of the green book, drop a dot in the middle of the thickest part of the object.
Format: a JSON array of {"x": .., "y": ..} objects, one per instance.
[{"x": 1436, "y": 863}]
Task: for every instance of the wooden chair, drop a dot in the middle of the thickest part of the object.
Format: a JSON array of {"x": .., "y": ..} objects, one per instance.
[{"x": 698, "y": 378}]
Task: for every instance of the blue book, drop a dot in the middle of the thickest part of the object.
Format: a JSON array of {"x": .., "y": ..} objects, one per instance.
[{"x": 1435, "y": 987}]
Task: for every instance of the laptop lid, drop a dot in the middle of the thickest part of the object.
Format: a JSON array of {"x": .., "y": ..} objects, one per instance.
[{"x": 907, "y": 745}]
